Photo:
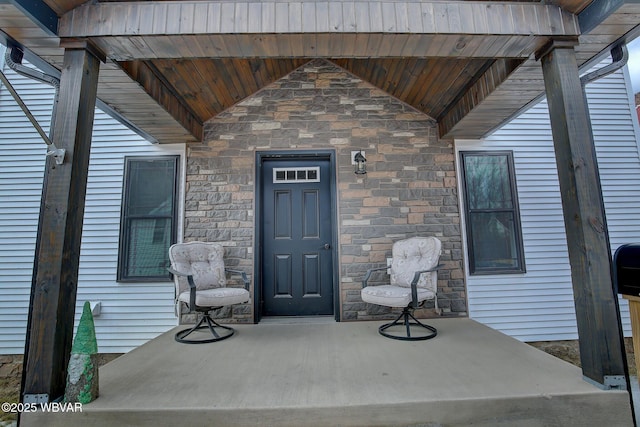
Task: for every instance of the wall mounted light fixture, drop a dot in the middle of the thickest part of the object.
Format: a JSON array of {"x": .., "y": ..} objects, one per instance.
[{"x": 360, "y": 163}]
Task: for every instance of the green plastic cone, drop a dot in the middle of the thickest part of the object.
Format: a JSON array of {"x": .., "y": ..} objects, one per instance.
[{"x": 85, "y": 341}]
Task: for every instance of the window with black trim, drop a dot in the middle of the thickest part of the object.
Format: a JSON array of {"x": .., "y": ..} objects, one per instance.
[
  {"x": 148, "y": 224},
  {"x": 494, "y": 235}
]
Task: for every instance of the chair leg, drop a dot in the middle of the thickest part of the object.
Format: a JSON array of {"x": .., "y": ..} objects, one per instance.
[
  {"x": 407, "y": 323},
  {"x": 206, "y": 322}
]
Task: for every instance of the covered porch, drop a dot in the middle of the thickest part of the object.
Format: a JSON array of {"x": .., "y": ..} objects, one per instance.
[
  {"x": 151, "y": 61},
  {"x": 308, "y": 372}
]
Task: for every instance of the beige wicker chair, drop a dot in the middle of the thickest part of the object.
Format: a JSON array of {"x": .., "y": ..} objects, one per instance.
[
  {"x": 200, "y": 279},
  {"x": 413, "y": 280}
]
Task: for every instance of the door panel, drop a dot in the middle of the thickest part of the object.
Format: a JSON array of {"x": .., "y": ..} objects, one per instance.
[{"x": 297, "y": 260}]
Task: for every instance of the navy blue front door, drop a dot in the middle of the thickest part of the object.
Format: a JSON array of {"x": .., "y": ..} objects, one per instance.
[{"x": 297, "y": 261}]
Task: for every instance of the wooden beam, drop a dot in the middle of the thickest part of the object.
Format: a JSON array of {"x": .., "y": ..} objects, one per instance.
[
  {"x": 467, "y": 115},
  {"x": 147, "y": 30},
  {"x": 55, "y": 278},
  {"x": 164, "y": 95},
  {"x": 597, "y": 313},
  {"x": 273, "y": 17}
]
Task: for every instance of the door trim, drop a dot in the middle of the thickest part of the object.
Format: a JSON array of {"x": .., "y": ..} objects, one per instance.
[{"x": 294, "y": 155}]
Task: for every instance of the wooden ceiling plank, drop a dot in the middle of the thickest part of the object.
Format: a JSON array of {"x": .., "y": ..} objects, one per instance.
[
  {"x": 403, "y": 22},
  {"x": 284, "y": 46},
  {"x": 456, "y": 16},
  {"x": 470, "y": 47},
  {"x": 477, "y": 94},
  {"x": 141, "y": 73},
  {"x": 297, "y": 46},
  {"x": 270, "y": 68},
  {"x": 322, "y": 17},
  {"x": 349, "y": 44},
  {"x": 247, "y": 76},
  {"x": 197, "y": 45},
  {"x": 241, "y": 18},
  {"x": 385, "y": 47},
  {"x": 407, "y": 75},
  {"x": 268, "y": 18},
  {"x": 395, "y": 77},
  {"x": 465, "y": 73},
  {"x": 200, "y": 17},
  {"x": 173, "y": 18},
  {"x": 210, "y": 69},
  {"x": 254, "y": 16},
  {"x": 193, "y": 88},
  {"x": 411, "y": 45},
  {"x": 370, "y": 16},
  {"x": 442, "y": 83},
  {"x": 349, "y": 14},
  {"x": 235, "y": 86},
  {"x": 159, "y": 15},
  {"x": 282, "y": 17},
  {"x": 117, "y": 50},
  {"x": 339, "y": 43},
  {"x": 117, "y": 18},
  {"x": 402, "y": 74},
  {"x": 269, "y": 46},
  {"x": 517, "y": 47},
  {"x": 423, "y": 70},
  {"x": 158, "y": 46},
  {"x": 213, "y": 18},
  {"x": 388, "y": 17},
  {"x": 132, "y": 24},
  {"x": 337, "y": 21},
  {"x": 402, "y": 18}
]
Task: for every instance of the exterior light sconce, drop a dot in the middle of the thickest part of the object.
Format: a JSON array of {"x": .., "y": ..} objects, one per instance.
[{"x": 360, "y": 163}]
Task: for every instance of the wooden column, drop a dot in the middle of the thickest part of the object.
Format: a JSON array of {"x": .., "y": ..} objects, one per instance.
[
  {"x": 53, "y": 291},
  {"x": 599, "y": 330}
]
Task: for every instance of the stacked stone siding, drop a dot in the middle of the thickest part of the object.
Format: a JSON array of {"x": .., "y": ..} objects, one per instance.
[{"x": 409, "y": 190}]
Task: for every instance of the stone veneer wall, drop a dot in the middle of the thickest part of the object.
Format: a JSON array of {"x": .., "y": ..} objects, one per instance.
[{"x": 410, "y": 188}]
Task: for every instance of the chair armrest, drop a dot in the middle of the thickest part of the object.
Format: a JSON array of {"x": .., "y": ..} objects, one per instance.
[
  {"x": 414, "y": 283},
  {"x": 245, "y": 279},
  {"x": 368, "y": 275},
  {"x": 192, "y": 286}
]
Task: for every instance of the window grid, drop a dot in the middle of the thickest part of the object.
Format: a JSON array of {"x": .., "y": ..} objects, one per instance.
[
  {"x": 296, "y": 175},
  {"x": 148, "y": 218},
  {"x": 492, "y": 217}
]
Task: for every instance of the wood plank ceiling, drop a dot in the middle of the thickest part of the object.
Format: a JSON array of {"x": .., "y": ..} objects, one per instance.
[
  {"x": 209, "y": 86},
  {"x": 194, "y": 89}
]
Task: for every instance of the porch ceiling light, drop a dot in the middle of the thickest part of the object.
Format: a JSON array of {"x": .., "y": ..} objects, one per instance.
[{"x": 360, "y": 163}]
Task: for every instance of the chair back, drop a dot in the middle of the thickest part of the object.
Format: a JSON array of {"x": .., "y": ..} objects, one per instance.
[
  {"x": 415, "y": 254},
  {"x": 203, "y": 260}
]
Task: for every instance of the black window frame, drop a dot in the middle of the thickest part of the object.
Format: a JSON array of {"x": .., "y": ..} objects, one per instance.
[
  {"x": 515, "y": 210},
  {"x": 125, "y": 218}
]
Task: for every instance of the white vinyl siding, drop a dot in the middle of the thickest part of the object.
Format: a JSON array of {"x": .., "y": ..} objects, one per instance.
[
  {"x": 22, "y": 154},
  {"x": 538, "y": 305},
  {"x": 132, "y": 313}
]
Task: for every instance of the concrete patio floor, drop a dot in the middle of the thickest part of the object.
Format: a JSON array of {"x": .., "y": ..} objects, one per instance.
[{"x": 345, "y": 374}]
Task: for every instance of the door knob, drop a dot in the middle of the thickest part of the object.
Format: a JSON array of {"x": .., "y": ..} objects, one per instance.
[{"x": 326, "y": 246}]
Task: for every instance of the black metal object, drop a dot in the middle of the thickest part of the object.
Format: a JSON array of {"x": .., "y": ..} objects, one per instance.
[
  {"x": 206, "y": 321},
  {"x": 627, "y": 269},
  {"x": 407, "y": 312}
]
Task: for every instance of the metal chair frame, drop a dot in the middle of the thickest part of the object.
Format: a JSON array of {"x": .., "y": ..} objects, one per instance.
[
  {"x": 407, "y": 312},
  {"x": 206, "y": 321}
]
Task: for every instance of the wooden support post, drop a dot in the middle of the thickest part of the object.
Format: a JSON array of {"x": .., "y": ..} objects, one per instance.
[
  {"x": 55, "y": 276},
  {"x": 597, "y": 312}
]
